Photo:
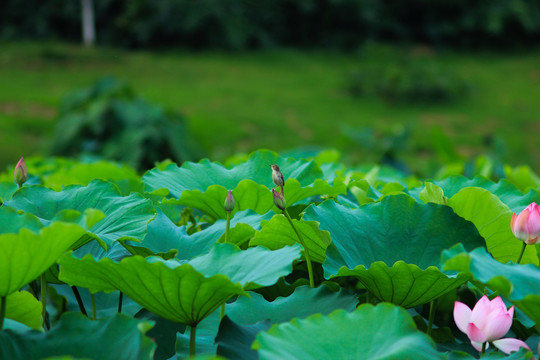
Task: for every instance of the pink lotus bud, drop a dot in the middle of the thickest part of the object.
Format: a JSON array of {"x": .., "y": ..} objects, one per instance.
[
  {"x": 279, "y": 200},
  {"x": 526, "y": 225},
  {"x": 229, "y": 202},
  {"x": 21, "y": 172},
  {"x": 488, "y": 321}
]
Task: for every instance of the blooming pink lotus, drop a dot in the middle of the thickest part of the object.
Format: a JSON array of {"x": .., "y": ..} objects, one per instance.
[
  {"x": 487, "y": 323},
  {"x": 526, "y": 225}
]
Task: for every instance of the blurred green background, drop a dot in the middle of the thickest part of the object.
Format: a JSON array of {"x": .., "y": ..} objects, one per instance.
[{"x": 416, "y": 84}]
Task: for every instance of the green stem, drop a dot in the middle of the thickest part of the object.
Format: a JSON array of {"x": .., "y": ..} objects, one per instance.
[
  {"x": 222, "y": 312},
  {"x": 431, "y": 317},
  {"x": 43, "y": 299},
  {"x": 93, "y": 306},
  {"x": 483, "y": 348},
  {"x": 306, "y": 253},
  {"x": 192, "y": 337},
  {"x": 79, "y": 300},
  {"x": 228, "y": 226},
  {"x": 3, "y": 301},
  {"x": 522, "y": 252},
  {"x": 120, "y": 299}
]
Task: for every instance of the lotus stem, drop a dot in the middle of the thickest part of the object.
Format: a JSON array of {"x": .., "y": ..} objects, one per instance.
[
  {"x": 44, "y": 299},
  {"x": 94, "y": 315},
  {"x": 431, "y": 317},
  {"x": 120, "y": 298},
  {"x": 483, "y": 348},
  {"x": 222, "y": 312},
  {"x": 192, "y": 337},
  {"x": 3, "y": 300},
  {"x": 228, "y": 226},
  {"x": 522, "y": 252},
  {"x": 79, "y": 300},
  {"x": 306, "y": 252}
]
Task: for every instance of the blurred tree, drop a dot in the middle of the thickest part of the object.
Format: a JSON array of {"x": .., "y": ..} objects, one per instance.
[{"x": 88, "y": 25}]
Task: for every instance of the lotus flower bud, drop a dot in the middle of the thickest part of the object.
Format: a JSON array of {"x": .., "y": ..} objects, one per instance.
[
  {"x": 526, "y": 225},
  {"x": 279, "y": 200},
  {"x": 21, "y": 172},
  {"x": 229, "y": 202}
]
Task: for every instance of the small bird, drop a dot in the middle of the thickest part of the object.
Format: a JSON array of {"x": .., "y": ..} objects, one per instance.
[{"x": 277, "y": 177}]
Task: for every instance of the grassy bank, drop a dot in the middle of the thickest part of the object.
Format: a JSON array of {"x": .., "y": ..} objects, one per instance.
[{"x": 278, "y": 100}]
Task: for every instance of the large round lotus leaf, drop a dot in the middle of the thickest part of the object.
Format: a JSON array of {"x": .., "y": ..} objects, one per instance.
[
  {"x": 492, "y": 219},
  {"x": 234, "y": 341},
  {"x": 115, "y": 338},
  {"x": 126, "y": 217},
  {"x": 200, "y": 176},
  {"x": 304, "y": 301},
  {"x": 253, "y": 268},
  {"x": 163, "y": 235},
  {"x": 6, "y": 190},
  {"x": 26, "y": 255},
  {"x": 519, "y": 283},
  {"x": 370, "y": 332},
  {"x": 507, "y": 192},
  {"x": 178, "y": 294},
  {"x": 13, "y": 221},
  {"x": 277, "y": 233},
  {"x": 23, "y": 307},
  {"x": 397, "y": 228},
  {"x": 405, "y": 284}
]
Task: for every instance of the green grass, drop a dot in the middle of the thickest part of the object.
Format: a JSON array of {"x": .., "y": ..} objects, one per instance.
[{"x": 238, "y": 102}]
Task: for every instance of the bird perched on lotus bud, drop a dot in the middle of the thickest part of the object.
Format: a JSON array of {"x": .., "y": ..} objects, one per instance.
[
  {"x": 277, "y": 177},
  {"x": 21, "y": 173}
]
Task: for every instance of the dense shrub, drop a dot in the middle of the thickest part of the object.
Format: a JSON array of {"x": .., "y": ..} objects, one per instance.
[
  {"x": 109, "y": 120},
  {"x": 241, "y": 24}
]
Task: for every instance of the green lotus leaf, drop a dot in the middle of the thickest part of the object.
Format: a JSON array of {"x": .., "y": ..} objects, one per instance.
[
  {"x": 295, "y": 192},
  {"x": 13, "y": 221},
  {"x": 116, "y": 338},
  {"x": 126, "y": 217},
  {"x": 492, "y": 219},
  {"x": 397, "y": 228},
  {"x": 523, "y": 177},
  {"x": 253, "y": 268},
  {"x": 304, "y": 301},
  {"x": 405, "y": 284},
  {"x": 124, "y": 177},
  {"x": 163, "y": 235},
  {"x": 7, "y": 189},
  {"x": 519, "y": 283},
  {"x": 234, "y": 341},
  {"x": 433, "y": 194},
  {"x": 200, "y": 176},
  {"x": 248, "y": 195},
  {"x": 26, "y": 255},
  {"x": 507, "y": 192},
  {"x": 370, "y": 332},
  {"x": 277, "y": 233},
  {"x": 23, "y": 307},
  {"x": 179, "y": 294}
]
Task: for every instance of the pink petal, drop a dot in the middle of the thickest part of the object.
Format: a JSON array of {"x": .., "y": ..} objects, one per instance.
[
  {"x": 497, "y": 304},
  {"x": 519, "y": 227},
  {"x": 509, "y": 345},
  {"x": 462, "y": 316},
  {"x": 475, "y": 334},
  {"x": 498, "y": 326},
  {"x": 480, "y": 312},
  {"x": 478, "y": 346},
  {"x": 534, "y": 221}
]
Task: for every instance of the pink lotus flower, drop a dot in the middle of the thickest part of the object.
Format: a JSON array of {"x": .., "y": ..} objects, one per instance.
[
  {"x": 487, "y": 322},
  {"x": 526, "y": 225}
]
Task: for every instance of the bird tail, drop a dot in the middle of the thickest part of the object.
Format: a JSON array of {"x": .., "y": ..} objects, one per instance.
[{"x": 282, "y": 192}]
